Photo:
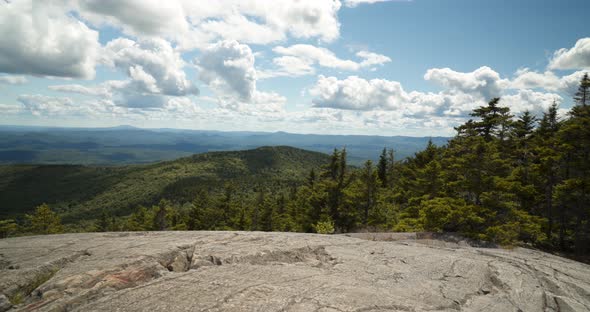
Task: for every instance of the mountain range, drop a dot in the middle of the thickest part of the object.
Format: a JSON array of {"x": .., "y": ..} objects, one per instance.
[{"x": 130, "y": 145}]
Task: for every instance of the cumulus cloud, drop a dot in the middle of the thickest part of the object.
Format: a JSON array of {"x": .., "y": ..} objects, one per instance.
[
  {"x": 137, "y": 17},
  {"x": 527, "y": 79},
  {"x": 152, "y": 64},
  {"x": 229, "y": 65},
  {"x": 548, "y": 80},
  {"x": 155, "y": 75},
  {"x": 193, "y": 24},
  {"x": 40, "y": 38},
  {"x": 300, "y": 59},
  {"x": 578, "y": 57},
  {"x": 483, "y": 81},
  {"x": 13, "y": 80},
  {"x": 228, "y": 68},
  {"x": 463, "y": 92},
  {"x": 355, "y": 93},
  {"x": 528, "y": 100}
]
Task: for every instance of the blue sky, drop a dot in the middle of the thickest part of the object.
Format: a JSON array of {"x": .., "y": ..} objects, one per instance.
[{"x": 352, "y": 67}]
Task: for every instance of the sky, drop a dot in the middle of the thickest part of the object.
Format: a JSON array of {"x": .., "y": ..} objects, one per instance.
[{"x": 378, "y": 67}]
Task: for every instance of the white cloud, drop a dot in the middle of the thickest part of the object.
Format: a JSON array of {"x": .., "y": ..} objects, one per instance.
[
  {"x": 13, "y": 80},
  {"x": 457, "y": 101},
  {"x": 45, "y": 105},
  {"x": 483, "y": 81},
  {"x": 300, "y": 59},
  {"x": 527, "y": 79},
  {"x": 355, "y": 3},
  {"x": 229, "y": 66},
  {"x": 104, "y": 89},
  {"x": 313, "y": 54},
  {"x": 10, "y": 109},
  {"x": 577, "y": 57},
  {"x": 137, "y": 17},
  {"x": 355, "y": 93},
  {"x": 372, "y": 59},
  {"x": 155, "y": 70},
  {"x": 528, "y": 100},
  {"x": 238, "y": 27},
  {"x": 195, "y": 24},
  {"x": 40, "y": 38},
  {"x": 326, "y": 58},
  {"x": 288, "y": 66},
  {"x": 172, "y": 108},
  {"x": 152, "y": 64}
]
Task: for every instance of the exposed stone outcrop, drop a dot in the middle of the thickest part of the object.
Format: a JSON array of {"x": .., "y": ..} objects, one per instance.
[{"x": 245, "y": 271}]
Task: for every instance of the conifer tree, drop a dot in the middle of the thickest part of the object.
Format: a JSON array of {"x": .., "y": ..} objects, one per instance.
[
  {"x": 370, "y": 183},
  {"x": 582, "y": 96},
  {"x": 44, "y": 221},
  {"x": 382, "y": 169}
]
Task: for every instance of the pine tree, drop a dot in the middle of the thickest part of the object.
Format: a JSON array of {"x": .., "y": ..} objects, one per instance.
[
  {"x": 391, "y": 169},
  {"x": 382, "y": 168},
  {"x": 370, "y": 183},
  {"x": 547, "y": 166},
  {"x": 495, "y": 120},
  {"x": 522, "y": 154},
  {"x": 582, "y": 96}
]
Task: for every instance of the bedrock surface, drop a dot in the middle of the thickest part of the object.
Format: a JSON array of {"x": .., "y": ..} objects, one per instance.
[{"x": 252, "y": 271}]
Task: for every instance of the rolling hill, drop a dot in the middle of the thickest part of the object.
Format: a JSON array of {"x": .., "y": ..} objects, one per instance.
[{"x": 83, "y": 192}]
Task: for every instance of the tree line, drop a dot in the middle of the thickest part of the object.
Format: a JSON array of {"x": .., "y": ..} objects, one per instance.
[{"x": 502, "y": 178}]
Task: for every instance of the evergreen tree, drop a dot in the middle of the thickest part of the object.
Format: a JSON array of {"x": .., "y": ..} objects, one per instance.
[
  {"x": 200, "y": 215},
  {"x": 104, "y": 222},
  {"x": 522, "y": 154},
  {"x": 267, "y": 217},
  {"x": 547, "y": 165},
  {"x": 44, "y": 221},
  {"x": 160, "y": 216},
  {"x": 370, "y": 183},
  {"x": 582, "y": 96},
  {"x": 382, "y": 168}
]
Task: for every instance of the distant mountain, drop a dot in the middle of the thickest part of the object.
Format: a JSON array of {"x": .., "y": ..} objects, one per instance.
[
  {"x": 83, "y": 192},
  {"x": 130, "y": 145}
]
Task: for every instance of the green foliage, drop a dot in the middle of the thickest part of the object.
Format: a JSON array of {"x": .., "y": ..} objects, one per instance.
[
  {"x": 8, "y": 228},
  {"x": 44, "y": 221},
  {"x": 444, "y": 214},
  {"x": 324, "y": 227}
]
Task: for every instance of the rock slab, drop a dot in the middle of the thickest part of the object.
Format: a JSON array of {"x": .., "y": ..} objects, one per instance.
[{"x": 252, "y": 271}]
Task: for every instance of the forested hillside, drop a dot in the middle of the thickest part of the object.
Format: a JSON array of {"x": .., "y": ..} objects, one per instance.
[
  {"x": 503, "y": 178},
  {"x": 84, "y": 192}
]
